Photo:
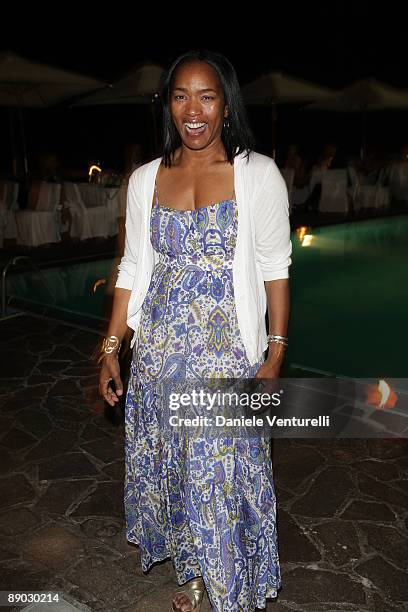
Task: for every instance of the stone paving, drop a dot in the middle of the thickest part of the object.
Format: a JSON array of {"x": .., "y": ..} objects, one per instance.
[{"x": 342, "y": 504}]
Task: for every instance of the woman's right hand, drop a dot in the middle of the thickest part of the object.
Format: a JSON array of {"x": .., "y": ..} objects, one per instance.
[{"x": 110, "y": 370}]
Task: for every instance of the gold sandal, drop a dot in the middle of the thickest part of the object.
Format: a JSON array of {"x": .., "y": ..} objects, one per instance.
[{"x": 194, "y": 591}]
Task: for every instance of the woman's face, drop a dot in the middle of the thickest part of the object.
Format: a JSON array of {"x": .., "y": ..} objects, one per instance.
[{"x": 197, "y": 104}]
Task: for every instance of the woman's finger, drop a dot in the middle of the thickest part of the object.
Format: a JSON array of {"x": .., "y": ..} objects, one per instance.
[
  {"x": 107, "y": 392},
  {"x": 118, "y": 384}
]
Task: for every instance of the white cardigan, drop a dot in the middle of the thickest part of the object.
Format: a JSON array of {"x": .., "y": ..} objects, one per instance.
[{"x": 262, "y": 252}]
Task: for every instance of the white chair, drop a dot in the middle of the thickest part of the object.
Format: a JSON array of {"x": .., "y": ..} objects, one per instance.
[
  {"x": 289, "y": 177},
  {"x": 398, "y": 181},
  {"x": 8, "y": 207},
  {"x": 334, "y": 191},
  {"x": 42, "y": 224},
  {"x": 382, "y": 196},
  {"x": 316, "y": 177},
  {"x": 300, "y": 195},
  {"x": 368, "y": 196},
  {"x": 353, "y": 187},
  {"x": 80, "y": 225},
  {"x": 112, "y": 202},
  {"x": 94, "y": 200}
]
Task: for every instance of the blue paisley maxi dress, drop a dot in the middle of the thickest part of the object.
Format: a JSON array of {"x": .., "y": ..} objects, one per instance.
[{"x": 209, "y": 505}]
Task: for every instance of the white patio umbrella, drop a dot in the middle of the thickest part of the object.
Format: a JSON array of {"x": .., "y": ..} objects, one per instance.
[
  {"x": 28, "y": 84},
  {"x": 138, "y": 86},
  {"x": 274, "y": 88},
  {"x": 363, "y": 96}
]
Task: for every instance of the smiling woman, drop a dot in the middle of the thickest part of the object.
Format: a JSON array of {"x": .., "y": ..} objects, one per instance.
[
  {"x": 195, "y": 109},
  {"x": 203, "y": 88},
  {"x": 194, "y": 284}
]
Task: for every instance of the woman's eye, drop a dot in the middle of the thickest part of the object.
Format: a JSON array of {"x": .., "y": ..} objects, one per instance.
[{"x": 177, "y": 96}]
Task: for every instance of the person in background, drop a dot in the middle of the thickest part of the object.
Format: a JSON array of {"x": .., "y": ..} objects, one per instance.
[
  {"x": 330, "y": 158},
  {"x": 326, "y": 158},
  {"x": 48, "y": 167},
  {"x": 396, "y": 177},
  {"x": 294, "y": 161},
  {"x": 372, "y": 166}
]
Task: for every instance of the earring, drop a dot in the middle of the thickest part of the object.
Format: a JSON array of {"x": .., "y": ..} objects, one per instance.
[{"x": 226, "y": 124}]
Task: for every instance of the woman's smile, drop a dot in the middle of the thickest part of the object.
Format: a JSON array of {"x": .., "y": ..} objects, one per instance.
[{"x": 195, "y": 130}]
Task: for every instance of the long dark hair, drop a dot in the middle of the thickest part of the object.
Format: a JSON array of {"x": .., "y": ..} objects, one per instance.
[{"x": 238, "y": 134}]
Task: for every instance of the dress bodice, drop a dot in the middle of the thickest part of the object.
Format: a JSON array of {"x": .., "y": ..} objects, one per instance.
[{"x": 207, "y": 233}]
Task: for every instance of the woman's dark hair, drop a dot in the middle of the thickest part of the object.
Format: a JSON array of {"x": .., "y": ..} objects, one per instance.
[{"x": 237, "y": 134}]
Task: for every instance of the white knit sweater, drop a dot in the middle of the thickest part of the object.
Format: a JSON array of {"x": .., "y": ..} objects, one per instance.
[{"x": 262, "y": 253}]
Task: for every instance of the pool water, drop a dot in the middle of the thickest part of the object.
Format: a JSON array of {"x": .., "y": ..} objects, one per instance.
[
  {"x": 349, "y": 299},
  {"x": 67, "y": 291}
]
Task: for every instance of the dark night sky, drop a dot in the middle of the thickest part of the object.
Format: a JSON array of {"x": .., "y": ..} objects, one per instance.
[
  {"x": 331, "y": 42},
  {"x": 328, "y": 43}
]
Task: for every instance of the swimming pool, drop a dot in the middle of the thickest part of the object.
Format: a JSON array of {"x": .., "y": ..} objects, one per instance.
[
  {"x": 349, "y": 297},
  {"x": 78, "y": 292}
]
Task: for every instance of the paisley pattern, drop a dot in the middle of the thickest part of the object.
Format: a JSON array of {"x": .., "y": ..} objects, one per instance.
[{"x": 209, "y": 504}]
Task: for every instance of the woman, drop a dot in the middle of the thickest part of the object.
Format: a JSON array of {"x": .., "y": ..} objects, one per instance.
[{"x": 194, "y": 283}]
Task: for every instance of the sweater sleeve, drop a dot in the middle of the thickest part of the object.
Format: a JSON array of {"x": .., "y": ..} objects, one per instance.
[
  {"x": 128, "y": 263},
  {"x": 272, "y": 228}
]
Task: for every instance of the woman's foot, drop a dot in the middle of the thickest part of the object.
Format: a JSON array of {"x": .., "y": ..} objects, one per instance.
[{"x": 189, "y": 597}]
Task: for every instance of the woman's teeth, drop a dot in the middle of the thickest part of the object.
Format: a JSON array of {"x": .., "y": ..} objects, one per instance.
[{"x": 195, "y": 128}]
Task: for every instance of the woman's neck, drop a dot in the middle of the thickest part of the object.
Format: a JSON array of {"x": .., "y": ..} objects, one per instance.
[{"x": 185, "y": 157}]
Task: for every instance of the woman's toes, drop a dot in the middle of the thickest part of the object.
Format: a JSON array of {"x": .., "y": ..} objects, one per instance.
[{"x": 182, "y": 602}]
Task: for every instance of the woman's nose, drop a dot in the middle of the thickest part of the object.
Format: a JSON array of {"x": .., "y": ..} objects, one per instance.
[{"x": 193, "y": 107}]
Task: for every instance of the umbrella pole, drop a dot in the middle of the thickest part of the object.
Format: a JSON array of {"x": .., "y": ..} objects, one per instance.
[
  {"x": 23, "y": 141},
  {"x": 363, "y": 149},
  {"x": 13, "y": 142}
]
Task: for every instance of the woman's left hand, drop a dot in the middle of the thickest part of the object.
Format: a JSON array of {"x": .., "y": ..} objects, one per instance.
[
  {"x": 269, "y": 369},
  {"x": 272, "y": 365}
]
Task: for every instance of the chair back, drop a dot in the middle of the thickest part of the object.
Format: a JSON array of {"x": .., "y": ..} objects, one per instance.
[
  {"x": 398, "y": 181},
  {"x": 49, "y": 197},
  {"x": 316, "y": 177},
  {"x": 334, "y": 191},
  {"x": 71, "y": 194},
  {"x": 93, "y": 195},
  {"x": 8, "y": 194}
]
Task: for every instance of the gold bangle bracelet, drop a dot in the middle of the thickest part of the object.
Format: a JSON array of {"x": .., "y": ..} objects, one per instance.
[{"x": 110, "y": 344}]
